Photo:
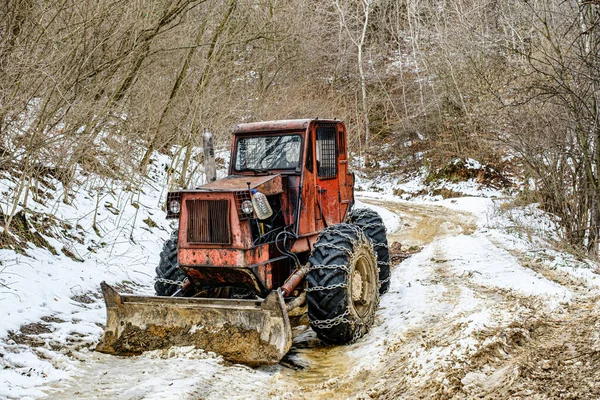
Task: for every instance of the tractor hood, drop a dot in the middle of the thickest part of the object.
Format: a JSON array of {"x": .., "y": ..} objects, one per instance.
[{"x": 266, "y": 184}]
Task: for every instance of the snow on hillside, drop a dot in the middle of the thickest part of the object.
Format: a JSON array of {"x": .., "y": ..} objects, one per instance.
[
  {"x": 56, "y": 297},
  {"x": 460, "y": 177}
]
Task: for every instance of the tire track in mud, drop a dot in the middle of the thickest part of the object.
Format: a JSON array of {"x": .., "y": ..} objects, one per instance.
[
  {"x": 416, "y": 364},
  {"x": 519, "y": 349},
  {"x": 533, "y": 353}
]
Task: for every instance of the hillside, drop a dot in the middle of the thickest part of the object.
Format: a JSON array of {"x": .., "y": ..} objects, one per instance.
[{"x": 472, "y": 128}]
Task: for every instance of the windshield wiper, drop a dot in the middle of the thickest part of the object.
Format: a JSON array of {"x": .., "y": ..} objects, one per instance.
[{"x": 257, "y": 170}]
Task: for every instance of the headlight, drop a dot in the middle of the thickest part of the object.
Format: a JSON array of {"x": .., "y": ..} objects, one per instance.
[
  {"x": 174, "y": 206},
  {"x": 247, "y": 207}
]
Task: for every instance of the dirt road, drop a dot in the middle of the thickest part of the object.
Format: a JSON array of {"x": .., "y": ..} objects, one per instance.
[
  {"x": 463, "y": 320},
  {"x": 465, "y": 317}
]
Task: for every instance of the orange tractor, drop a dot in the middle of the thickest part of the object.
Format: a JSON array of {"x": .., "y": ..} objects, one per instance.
[{"x": 277, "y": 237}]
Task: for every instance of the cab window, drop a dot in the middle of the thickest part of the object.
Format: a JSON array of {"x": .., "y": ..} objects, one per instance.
[
  {"x": 268, "y": 152},
  {"x": 327, "y": 151}
]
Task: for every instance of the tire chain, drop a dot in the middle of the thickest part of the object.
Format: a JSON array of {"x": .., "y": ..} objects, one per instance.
[
  {"x": 244, "y": 296},
  {"x": 330, "y": 323},
  {"x": 372, "y": 225},
  {"x": 318, "y": 288},
  {"x": 386, "y": 280},
  {"x": 341, "y": 267},
  {"x": 332, "y": 266},
  {"x": 169, "y": 281},
  {"x": 364, "y": 213},
  {"x": 332, "y": 246}
]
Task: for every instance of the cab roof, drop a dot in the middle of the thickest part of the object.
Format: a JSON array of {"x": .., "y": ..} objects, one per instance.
[{"x": 279, "y": 125}]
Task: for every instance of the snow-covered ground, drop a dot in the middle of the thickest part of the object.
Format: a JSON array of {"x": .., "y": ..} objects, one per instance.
[
  {"x": 51, "y": 305},
  {"x": 56, "y": 296},
  {"x": 417, "y": 187},
  {"x": 484, "y": 272}
]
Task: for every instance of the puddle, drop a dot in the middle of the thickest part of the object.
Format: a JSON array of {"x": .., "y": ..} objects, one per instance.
[{"x": 319, "y": 371}]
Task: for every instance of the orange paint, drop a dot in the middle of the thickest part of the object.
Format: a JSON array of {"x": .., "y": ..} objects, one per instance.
[{"x": 309, "y": 202}]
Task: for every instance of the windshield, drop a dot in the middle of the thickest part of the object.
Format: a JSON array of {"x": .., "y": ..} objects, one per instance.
[{"x": 268, "y": 152}]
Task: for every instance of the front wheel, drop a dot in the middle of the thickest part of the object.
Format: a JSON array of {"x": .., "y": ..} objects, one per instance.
[
  {"x": 168, "y": 269},
  {"x": 342, "y": 293}
]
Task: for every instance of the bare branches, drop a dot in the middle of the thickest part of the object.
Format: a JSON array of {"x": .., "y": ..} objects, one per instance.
[{"x": 354, "y": 20}]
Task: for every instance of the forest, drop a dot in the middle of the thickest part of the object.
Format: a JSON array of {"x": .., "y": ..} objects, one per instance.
[{"x": 100, "y": 85}]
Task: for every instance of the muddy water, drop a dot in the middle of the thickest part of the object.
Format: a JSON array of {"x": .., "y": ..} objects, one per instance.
[
  {"x": 319, "y": 371},
  {"x": 316, "y": 367}
]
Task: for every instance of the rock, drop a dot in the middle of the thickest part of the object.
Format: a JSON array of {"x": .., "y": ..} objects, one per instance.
[{"x": 545, "y": 365}]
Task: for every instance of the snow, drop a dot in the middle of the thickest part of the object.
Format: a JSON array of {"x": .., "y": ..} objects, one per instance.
[
  {"x": 416, "y": 187},
  {"x": 414, "y": 291},
  {"x": 165, "y": 374},
  {"x": 475, "y": 256},
  {"x": 40, "y": 284},
  {"x": 390, "y": 219},
  {"x": 437, "y": 291}
]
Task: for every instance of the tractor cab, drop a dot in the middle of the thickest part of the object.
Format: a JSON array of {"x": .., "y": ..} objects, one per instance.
[
  {"x": 301, "y": 168},
  {"x": 311, "y": 157}
]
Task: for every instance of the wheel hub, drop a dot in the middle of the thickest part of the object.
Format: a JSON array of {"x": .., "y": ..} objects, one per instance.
[{"x": 357, "y": 286}]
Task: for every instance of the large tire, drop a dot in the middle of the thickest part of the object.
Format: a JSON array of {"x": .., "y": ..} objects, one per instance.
[
  {"x": 373, "y": 227},
  {"x": 342, "y": 293},
  {"x": 168, "y": 268}
]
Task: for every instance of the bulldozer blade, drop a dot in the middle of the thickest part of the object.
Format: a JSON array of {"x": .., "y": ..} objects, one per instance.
[{"x": 252, "y": 332}]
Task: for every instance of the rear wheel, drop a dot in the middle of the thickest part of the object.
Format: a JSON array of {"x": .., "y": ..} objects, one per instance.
[
  {"x": 168, "y": 269},
  {"x": 342, "y": 293},
  {"x": 373, "y": 227}
]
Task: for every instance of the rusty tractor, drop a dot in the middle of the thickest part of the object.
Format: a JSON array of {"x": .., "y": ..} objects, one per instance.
[{"x": 277, "y": 237}]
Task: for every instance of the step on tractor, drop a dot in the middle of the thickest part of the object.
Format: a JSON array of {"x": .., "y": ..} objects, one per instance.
[{"x": 276, "y": 239}]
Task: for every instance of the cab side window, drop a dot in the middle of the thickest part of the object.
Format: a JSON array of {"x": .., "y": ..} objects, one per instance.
[{"x": 327, "y": 151}]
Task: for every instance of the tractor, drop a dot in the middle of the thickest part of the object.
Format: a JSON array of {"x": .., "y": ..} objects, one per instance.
[{"x": 278, "y": 237}]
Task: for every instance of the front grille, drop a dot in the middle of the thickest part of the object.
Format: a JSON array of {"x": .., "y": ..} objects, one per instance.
[{"x": 208, "y": 221}]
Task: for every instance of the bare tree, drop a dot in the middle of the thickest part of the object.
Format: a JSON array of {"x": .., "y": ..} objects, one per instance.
[{"x": 354, "y": 20}]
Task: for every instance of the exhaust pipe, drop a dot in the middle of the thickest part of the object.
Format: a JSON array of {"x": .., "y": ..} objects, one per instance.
[{"x": 210, "y": 169}]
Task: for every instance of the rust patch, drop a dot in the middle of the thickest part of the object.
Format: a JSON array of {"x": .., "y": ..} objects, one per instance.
[{"x": 266, "y": 184}]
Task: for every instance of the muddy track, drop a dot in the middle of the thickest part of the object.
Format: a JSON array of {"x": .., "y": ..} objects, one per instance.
[
  {"x": 522, "y": 350},
  {"x": 451, "y": 326},
  {"x": 534, "y": 354}
]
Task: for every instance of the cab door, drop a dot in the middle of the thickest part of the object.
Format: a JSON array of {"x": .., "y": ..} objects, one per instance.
[{"x": 327, "y": 195}]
